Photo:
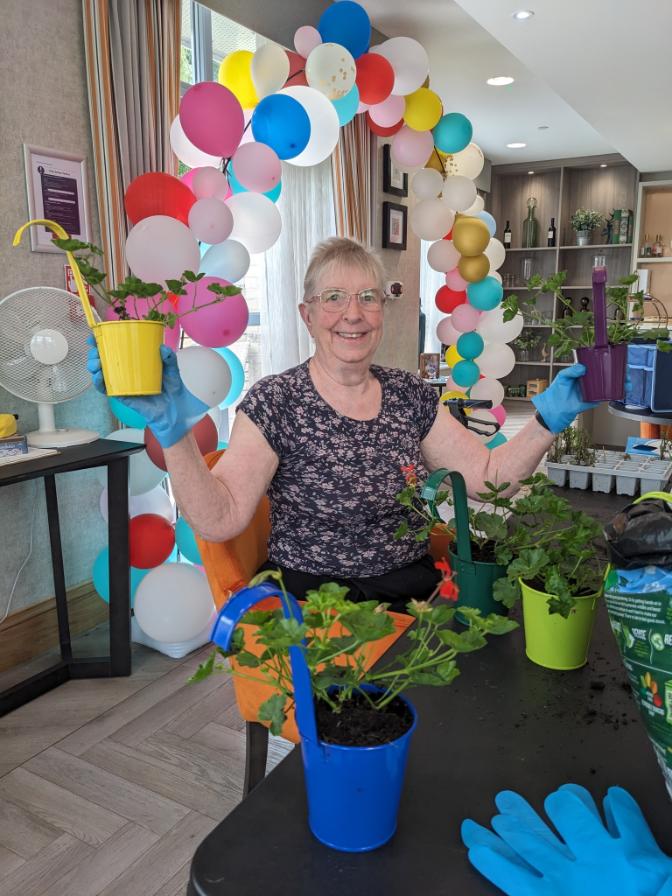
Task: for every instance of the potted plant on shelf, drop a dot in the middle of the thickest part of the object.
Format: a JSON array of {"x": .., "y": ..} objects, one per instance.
[
  {"x": 354, "y": 723},
  {"x": 526, "y": 343},
  {"x": 583, "y": 221}
]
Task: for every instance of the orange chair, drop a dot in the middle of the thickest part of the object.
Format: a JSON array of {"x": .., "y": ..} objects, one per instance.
[{"x": 229, "y": 566}]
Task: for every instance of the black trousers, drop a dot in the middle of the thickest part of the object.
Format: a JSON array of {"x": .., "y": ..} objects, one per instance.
[{"x": 396, "y": 587}]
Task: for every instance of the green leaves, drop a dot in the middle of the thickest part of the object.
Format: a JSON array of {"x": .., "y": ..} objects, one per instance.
[
  {"x": 273, "y": 711},
  {"x": 506, "y": 591},
  {"x": 492, "y": 526},
  {"x": 463, "y": 642},
  {"x": 205, "y": 668},
  {"x": 529, "y": 564}
]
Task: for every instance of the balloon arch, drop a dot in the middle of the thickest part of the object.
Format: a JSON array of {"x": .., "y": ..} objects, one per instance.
[{"x": 269, "y": 107}]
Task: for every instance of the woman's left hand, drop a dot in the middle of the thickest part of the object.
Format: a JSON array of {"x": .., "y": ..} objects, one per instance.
[{"x": 561, "y": 402}]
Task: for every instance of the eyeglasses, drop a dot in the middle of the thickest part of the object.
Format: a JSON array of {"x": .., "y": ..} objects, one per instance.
[{"x": 334, "y": 299}]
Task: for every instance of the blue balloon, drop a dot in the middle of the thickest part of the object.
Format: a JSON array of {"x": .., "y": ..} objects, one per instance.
[
  {"x": 465, "y": 373},
  {"x": 346, "y": 107},
  {"x": 237, "y": 376},
  {"x": 101, "y": 576},
  {"x": 127, "y": 415},
  {"x": 498, "y": 439},
  {"x": 186, "y": 541},
  {"x": 222, "y": 446},
  {"x": 453, "y": 133},
  {"x": 282, "y": 123},
  {"x": 237, "y": 187},
  {"x": 486, "y": 294},
  {"x": 470, "y": 345},
  {"x": 489, "y": 221},
  {"x": 348, "y": 24}
]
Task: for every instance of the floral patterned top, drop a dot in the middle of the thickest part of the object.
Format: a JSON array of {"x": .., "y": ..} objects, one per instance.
[{"x": 333, "y": 507}]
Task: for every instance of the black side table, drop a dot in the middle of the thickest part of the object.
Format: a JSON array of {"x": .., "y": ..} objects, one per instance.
[{"x": 114, "y": 456}]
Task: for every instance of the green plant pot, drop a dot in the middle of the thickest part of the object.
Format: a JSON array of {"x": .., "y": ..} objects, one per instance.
[
  {"x": 551, "y": 640},
  {"x": 475, "y": 581}
]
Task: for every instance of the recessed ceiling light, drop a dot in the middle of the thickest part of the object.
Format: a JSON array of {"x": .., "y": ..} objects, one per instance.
[
  {"x": 603, "y": 165},
  {"x": 515, "y": 145},
  {"x": 530, "y": 172},
  {"x": 500, "y": 81},
  {"x": 542, "y": 127},
  {"x": 521, "y": 14}
]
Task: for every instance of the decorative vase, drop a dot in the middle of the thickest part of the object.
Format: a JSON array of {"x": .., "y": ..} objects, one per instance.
[
  {"x": 582, "y": 237},
  {"x": 530, "y": 226},
  {"x": 524, "y": 354}
]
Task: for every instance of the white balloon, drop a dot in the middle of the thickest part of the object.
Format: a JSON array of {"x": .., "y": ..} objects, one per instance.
[
  {"x": 205, "y": 373},
  {"x": 459, "y": 192},
  {"x": 488, "y": 389},
  {"x": 492, "y": 328},
  {"x": 270, "y": 69},
  {"x": 208, "y": 182},
  {"x": 173, "y": 602},
  {"x": 256, "y": 220},
  {"x": 155, "y": 501},
  {"x": 443, "y": 256},
  {"x": 306, "y": 39},
  {"x": 496, "y": 275},
  {"x": 496, "y": 252},
  {"x": 477, "y": 206},
  {"x": 431, "y": 219},
  {"x": 143, "y": 475},
  {"x": 469, "y": 162},
  {"x": 427, "y": 183},
  {"x": 185, "y": 150},
  {"x": 210, "y": 220},
  {"x": 330, "y": 69},
  {"x": 409, "y": 60},
  {"x": 161, "y": 248},
  {"x": 229, "y": 260},
  {"x": 324, "y": 125},
  {"x": 496, "y": 360},
  {"x": 447, "y": 334}
]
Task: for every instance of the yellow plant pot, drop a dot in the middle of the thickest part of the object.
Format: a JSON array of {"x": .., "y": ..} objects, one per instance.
[{"x": 130, "y": 356}]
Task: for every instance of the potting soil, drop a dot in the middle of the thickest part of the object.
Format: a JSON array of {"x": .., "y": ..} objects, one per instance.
[{"x": 357, "y": 725}]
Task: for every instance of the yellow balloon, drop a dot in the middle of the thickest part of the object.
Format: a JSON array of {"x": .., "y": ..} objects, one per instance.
[
  {"x": 475, "y": 268},
  {"x": 235, "y": 72},
  {"x": 470, "y": 235},
  {"x": 452, "y": 354},
  {"x": 453, "y": 394},
  {"x": 423, "y": 109}
]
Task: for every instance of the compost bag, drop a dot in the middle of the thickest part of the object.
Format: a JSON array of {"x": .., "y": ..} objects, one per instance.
[{"x": 641, "y": 535}]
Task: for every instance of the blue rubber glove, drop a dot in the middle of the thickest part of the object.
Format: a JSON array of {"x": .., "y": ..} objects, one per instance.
[
  {"x": 560, "y": 403},
  {"x": 526, "y": 858},
  {"x": 170, "y": 415}
]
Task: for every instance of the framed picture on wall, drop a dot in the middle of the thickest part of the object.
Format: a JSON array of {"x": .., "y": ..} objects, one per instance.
[
  {"x": 394, "y": 225},
  {"x": 56, "y": 185},
  {"x": 395, "y": 181}
]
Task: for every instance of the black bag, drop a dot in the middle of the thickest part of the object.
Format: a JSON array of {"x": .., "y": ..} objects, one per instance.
[{"x": 641, "y": 535}]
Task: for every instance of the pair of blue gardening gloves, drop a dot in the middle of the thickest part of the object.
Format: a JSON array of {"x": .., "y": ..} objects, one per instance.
[
  {"x": 561, "y": 402},
  {"x": 170, "y": 415},
  {"x": 525, "y": 857}
]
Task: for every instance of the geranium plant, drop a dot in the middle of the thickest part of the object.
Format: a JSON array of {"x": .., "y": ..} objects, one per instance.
[
  {"x": 586, "y": 219},
  {"x": 423, "y": 522}
]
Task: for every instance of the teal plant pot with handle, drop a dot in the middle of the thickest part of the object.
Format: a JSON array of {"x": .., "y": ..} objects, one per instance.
[{"x": 474, "y": 578}]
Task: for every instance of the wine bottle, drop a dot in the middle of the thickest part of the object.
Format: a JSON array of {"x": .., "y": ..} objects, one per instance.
[
  {"x": 551, "y": 233},
  {"x": 530, "y": 226},
  {"x": 507, "y": 236}
]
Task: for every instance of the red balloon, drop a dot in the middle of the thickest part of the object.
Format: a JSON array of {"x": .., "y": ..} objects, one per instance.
[
  {"x": 447, "y": 300},
  {"x": 156, "y": 193},
  {"x": 297, "y": 67},
  {"x": 151, "y": 538},
  {"x": 205, "y": 433},
  {"x": 449, "y": 235},
  {"x": 383, "y": 132},
  {"x": 375, "y": 78}
]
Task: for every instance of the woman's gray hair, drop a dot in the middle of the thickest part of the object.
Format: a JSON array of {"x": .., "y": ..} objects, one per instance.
[{"x": 341, "y": 251}]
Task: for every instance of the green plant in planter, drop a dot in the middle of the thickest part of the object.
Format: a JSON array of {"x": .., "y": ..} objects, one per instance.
[
  {"x": 526, "y": 342},
  {"x": 422, "y": 521},
  {"x": 586, "y": 219}
]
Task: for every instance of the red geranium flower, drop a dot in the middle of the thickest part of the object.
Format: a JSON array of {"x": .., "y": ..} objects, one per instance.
[
  {"x": 447, "y": 587},
  {"x": 409, "y": 474}
]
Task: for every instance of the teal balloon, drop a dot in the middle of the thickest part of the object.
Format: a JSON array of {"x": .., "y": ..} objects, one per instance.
[
  {"x": 498, "y": 439},
  {"x": 346, "y": 107},
  {"x": 465, "y": 373},
  {"x": 489, "y": 221},
  {"x": 186, "y": 541},
  {"x": 453, "y": 133},
  {"x": 101, "y": 576},
  {"x": 222, "y": 446},
  {"x": 126, "y": 415},
  {"x": 486, "y": 294},
  {"x": 237, "y": 187},
  {"x": 470, "y": 345},
  {"x": 237, "y": 376}
]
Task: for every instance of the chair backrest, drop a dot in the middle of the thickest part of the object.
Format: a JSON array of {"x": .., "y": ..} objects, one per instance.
[{"x": 229, "y": 565}]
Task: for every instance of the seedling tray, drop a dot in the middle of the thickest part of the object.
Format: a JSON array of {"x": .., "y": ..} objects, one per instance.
[{"x": 611, "y": 470}]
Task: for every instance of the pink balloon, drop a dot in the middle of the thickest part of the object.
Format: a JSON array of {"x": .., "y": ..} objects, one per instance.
[
  {"x": 257, "y": 167},
  {"x": 212, "y": 118},
  {"x": 306, "y": 39},
  {"x": 499, "y": 413},
  {"x": 210, "y": 220},
  {"x": 465, "y": 317},
  {"x": 389, "y": 112},
  {"x": 217, "y": 325},
  {"x": 208, "y": 182},
  {"x": 138, "y": 308},
  {"x": 362, "y": 107},
  {"x": 446, "y": 332},
  {"x": 410, "y": 148},
  {"x": 455, "y": 281},
  {"x": 171, "y": 336},
  {"x": 188, "y": 177}
]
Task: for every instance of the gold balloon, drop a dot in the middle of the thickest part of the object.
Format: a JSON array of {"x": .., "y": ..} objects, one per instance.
[
  {"x": 435, "y": 161},
  {"x": 470, "y": 235},
  {"x": 473, "y": 268}
]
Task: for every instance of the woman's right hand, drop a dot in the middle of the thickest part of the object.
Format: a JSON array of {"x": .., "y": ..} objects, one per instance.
[{"x": 171, "y": 414}]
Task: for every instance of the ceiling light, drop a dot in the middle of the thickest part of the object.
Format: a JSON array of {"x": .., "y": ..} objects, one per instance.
[
  {"x": 515, "y": 145},
  {"x": 530, "y": 172},
  {"x": 500, "y": 81},
  {"x": 603, "y": 165},
  {"x": 521, "y": 14}
]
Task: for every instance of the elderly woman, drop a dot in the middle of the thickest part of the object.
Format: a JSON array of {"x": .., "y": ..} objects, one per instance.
[{"x": 327, "y": 439}]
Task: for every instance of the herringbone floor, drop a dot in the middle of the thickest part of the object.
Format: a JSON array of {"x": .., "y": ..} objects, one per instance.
[{"x": 108, "y": 786}]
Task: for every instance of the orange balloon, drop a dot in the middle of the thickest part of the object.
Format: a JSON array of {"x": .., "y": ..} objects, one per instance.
[{"x": 474, "y": 268}]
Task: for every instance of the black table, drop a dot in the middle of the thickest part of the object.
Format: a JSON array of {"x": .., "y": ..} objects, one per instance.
[
  {"x": 505, "y": 723},
  {"x": 113, "y": 455},
  {"x": 644, "y": 415}
]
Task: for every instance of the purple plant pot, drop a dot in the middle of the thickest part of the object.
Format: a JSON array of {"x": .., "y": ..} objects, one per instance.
[{"x": 605, "y": 372}]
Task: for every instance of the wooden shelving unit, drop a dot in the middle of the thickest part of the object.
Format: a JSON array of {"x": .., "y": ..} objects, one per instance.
[
  {"x": 561, "y": 187},
  {"x": 654, "y": 215}
]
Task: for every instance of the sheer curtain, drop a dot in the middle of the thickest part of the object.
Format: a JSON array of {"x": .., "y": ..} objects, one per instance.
[
  {"x": 307, "y": 209},
  {"x": 430, "y": 281}
]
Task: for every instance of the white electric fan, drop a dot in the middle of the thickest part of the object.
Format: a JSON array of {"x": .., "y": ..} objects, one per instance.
[{"x": 43, "y": 355}]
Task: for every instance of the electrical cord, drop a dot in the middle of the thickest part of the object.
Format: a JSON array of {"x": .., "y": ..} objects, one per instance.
[{"x": 28, "y": 555}]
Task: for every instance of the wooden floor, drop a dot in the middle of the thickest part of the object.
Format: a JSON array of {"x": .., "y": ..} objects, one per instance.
[{"x": 108, "y": 786}]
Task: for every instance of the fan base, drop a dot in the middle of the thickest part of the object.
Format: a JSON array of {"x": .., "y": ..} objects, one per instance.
[{"x": 61, "y": 438}]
